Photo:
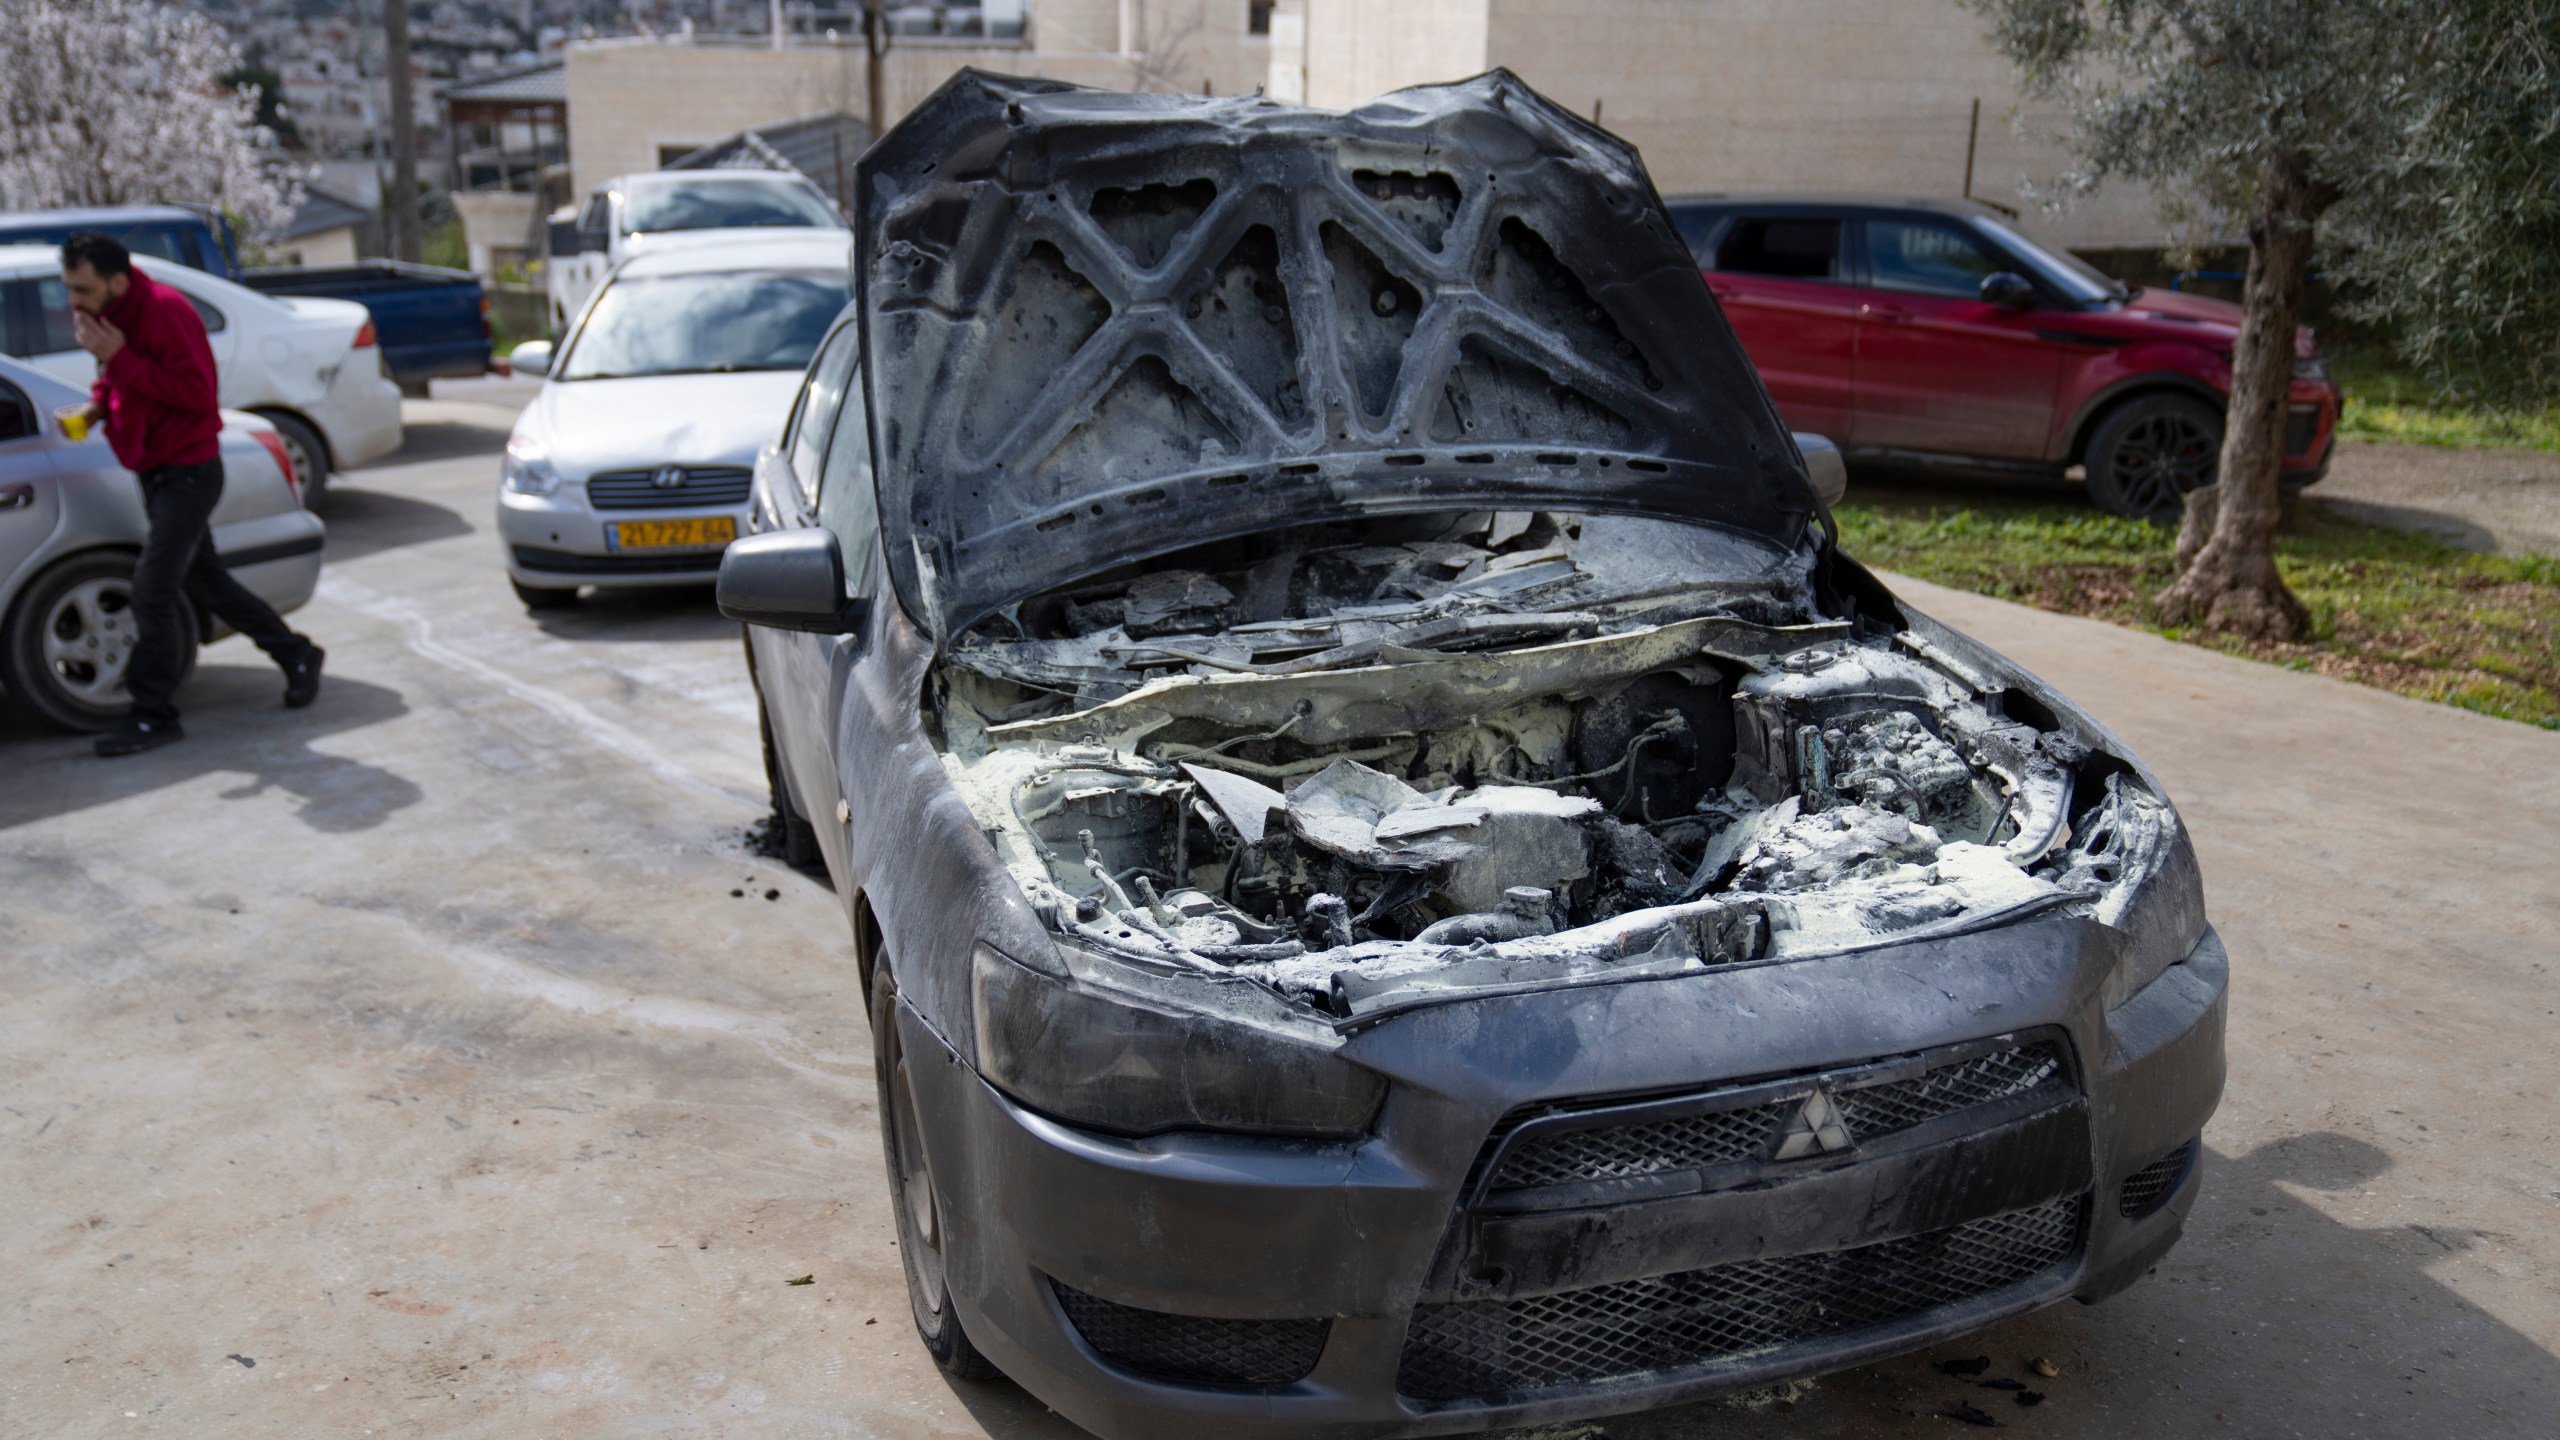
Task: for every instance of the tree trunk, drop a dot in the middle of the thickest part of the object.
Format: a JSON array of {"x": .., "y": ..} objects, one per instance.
[
  {"x": 2227, "y": 542},
  {"x": 403, "y": 196}
]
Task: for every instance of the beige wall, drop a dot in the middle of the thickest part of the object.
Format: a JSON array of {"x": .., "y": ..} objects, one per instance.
[
  {"x": 628, "y": 99},
  {"x": 328, "y": 247},
  {"x": 495, "y": 220},
  {"x": 1869, "y": 96}
]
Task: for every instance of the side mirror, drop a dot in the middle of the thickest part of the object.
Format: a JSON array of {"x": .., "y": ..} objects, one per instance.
[
  {"x": 789, "y": 580},
  {"x": 565, "y": 240},
  {"x": 533, "y": 357},
  {"x": 1826, "y": 466},
  {"x": 2009, "y": 290}
]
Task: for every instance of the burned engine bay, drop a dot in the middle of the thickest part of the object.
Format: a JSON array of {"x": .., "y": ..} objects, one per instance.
[{"x": 1370, "y": 764}]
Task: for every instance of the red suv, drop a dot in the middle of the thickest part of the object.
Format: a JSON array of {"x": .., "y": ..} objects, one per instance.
[{"x": 1932, "y": 331}]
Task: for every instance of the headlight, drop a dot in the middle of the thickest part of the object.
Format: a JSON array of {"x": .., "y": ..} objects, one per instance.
[
  {"x": 527, "y": 469},
  {"x": 1114, "y": 1059},
  {"x": 2314, "y": 368}
]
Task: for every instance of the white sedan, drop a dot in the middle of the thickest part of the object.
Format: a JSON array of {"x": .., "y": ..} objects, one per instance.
[
  {"x": 632, "y": 465},
  {"x": 309, "y": 366}
]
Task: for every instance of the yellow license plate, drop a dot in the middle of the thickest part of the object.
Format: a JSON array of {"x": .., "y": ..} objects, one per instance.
[{"x": 672, "y": 534}]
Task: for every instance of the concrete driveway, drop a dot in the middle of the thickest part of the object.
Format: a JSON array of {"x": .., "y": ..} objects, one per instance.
[{"x": 438, "y": 1062}]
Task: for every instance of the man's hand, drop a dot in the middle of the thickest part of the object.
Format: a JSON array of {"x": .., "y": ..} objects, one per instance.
[{"x": 97, "y": 335}]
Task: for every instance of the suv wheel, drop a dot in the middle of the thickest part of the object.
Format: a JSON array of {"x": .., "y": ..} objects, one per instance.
[
  {"x": 2150, "y": 451},
  {"x": 912, "y": 1194},
  {"x": 64, "y": 649}
]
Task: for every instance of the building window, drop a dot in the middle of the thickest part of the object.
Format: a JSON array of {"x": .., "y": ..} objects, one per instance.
[{"x": 1257, "y": 17}]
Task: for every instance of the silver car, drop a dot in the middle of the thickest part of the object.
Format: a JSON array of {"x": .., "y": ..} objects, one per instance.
[
  {"x": 71, "y": 525},
  {"x": 631, "y": 467}
]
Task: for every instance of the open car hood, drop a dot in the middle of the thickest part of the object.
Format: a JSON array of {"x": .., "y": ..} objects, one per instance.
[{"x": 1099, "y": 326}]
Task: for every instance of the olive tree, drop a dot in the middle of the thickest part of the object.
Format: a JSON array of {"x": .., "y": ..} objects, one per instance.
[
  {"x": 122, "y": 102},
  {"x": 2415, "y": 144}
]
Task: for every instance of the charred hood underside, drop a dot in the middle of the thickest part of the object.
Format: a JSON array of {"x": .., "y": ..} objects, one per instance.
[{"x": 1100, "y": 325}]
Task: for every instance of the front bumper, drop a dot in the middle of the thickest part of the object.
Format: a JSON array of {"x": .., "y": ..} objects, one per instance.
[
  {"x": 558, "y": 540},
  {"x": 1250, "y": 1237}
]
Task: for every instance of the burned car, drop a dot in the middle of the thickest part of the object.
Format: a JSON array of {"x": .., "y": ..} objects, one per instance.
[{"x": 1403, "y": 881}]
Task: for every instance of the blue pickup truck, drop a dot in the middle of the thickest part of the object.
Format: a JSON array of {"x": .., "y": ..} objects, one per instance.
[{"x": 431, "y": 322}]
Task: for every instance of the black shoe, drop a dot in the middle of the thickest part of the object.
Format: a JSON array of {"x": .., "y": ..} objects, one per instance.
[
  {"x": 135, "y": 736},
  {"x": 302, "y": 678}
]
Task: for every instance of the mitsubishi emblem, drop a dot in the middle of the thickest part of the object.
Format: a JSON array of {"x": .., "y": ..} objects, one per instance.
[
  {"x": 1816, "y": 1130},
  {"x": 668, "y": 477}
]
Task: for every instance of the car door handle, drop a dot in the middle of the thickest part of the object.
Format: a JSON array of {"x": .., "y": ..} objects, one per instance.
[
  {"x": 17, "y": 497},
  {"x": 1888, "y": 314}
]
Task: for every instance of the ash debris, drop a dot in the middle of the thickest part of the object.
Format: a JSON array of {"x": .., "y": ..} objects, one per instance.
[{"x": 1356, "y": 765}]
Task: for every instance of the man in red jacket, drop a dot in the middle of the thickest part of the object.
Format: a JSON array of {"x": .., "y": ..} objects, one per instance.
[{"x": 155, "y": 394}]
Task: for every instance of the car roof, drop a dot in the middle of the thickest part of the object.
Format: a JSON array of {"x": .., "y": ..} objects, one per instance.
[
  {"x": 1830, "y": 200},
  {"x": 102, "y": 215},
  {"x": 675, "y": 177},
  {"x": 15, "y": 258},
  {"x": 764, "y": 248}
]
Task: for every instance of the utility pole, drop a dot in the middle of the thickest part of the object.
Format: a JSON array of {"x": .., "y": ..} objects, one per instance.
[
  {"x": 403, "y": 196},
  {"x": 1972, "y": 135},
  {"x": 875, "y": 41}
]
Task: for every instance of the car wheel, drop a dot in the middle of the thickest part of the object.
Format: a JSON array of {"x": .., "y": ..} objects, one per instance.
[
  {"x": 309, "y": 454},
  {"x": 67, "y": 642},
  {"x": 544, "y": 597},
  {"x": 921, "y": 1237},
  {"x": 799, "y": 837},
  {"x": 2150, "y": 451}
]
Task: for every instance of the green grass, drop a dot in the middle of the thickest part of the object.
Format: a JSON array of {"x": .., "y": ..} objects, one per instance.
[
  {"x": 2388, "y": 401},
  {"x": 2400, "y": 611}
]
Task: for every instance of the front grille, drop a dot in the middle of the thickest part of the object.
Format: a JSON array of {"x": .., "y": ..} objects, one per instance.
[
  {"x": 2301, "y": 423},
  {"x": 1195, "y": 1349},
  {"x": 1494, "y": 1349},
  {"x": 1696, "y": 1141},
  {"x": 698, "y": 485},
  {"x": 674, "y": 566},
  {"x": 2145, "y": 1188}
]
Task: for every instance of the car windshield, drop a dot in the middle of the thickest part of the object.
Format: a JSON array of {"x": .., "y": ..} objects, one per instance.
[
  {"x": 692, "y": 324},
  {"x": 746, "y": 204},
  {"x": 2069, "y": 273}
]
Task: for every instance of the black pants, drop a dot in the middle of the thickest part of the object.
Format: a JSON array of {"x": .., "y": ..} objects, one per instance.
[{"x": 178, "y": 561}]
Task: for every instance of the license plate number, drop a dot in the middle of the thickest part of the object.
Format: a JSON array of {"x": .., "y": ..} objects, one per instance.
[{"x": 696, "y": 533}]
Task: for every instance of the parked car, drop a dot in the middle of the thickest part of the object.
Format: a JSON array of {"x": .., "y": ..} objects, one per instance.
[
  {"x": 431, "y": 322},
  {"x": 71, "y": 525},
  {"x": 630, "y": 214},
  {"x": 311, "y": 367},
  {"x": 1935, "y": 332},
  {"x": 1404, "y": 883},
  {"x": 631, "y": 465}
]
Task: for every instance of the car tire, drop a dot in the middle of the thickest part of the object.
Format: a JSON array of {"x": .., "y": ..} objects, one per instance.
[
  {"x": 914, "y": 1199},
  {"x": 65, "y": 643},
  {"x": 798, "y": 836},
  {"x": 2150, "y": 451},
  {"x": 538, "y": 598},
  {"x": 308, "y": 452}
]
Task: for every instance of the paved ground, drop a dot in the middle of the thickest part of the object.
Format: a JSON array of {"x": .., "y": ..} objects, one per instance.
[
  {"x": 441, "y": 1051},
  {"x": 2494, "y": 500}
]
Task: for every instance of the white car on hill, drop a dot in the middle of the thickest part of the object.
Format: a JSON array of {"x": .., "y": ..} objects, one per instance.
[
  {"x": 632, "y": 214},
  {"x": 308, "y": 366},
  {"x": 632, "y": 465}
]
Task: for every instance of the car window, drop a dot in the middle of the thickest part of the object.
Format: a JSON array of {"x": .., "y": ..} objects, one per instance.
[
  {"x": 214, "y": 323},
  {"x": 594, "y": 223},
  {"x": 1928, "y": 258},
  {"x": 160, "y": 242},
  {"x": 725, "y": 205},
  {"x": 848, "y": 505},
  {"x": 1697, "y": 226},
  {"x": 819, "y": 399},
  {"x": 48, "y": 312},
  {"x": 17, "y": 417},
  {"x": 1797, "y": 249},
  {"x": 715, "y": 322}
]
